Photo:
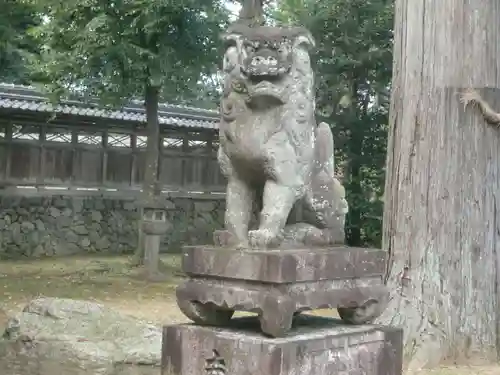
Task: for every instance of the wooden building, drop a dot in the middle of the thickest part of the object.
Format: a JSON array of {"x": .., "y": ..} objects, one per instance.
[{"x": 81, "y": 146}]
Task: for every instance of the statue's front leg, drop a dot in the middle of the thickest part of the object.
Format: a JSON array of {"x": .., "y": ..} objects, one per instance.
[
  {"x": 287, "y": 173},
  {"x": 278, "y": 201},
  {"x": 239, "y": 203}
]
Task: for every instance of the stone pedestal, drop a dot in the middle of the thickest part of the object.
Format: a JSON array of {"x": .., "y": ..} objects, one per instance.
[
  {"x": 317, "y": 346},
  {"x": 278, "y": 284}
]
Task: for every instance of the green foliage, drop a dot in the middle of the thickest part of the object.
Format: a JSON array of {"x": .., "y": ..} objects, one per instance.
[
  {"x": 353, "y": 63},
  {"x": 116, "y": 50},
  {"x": 17, "y": 49},
  {"x": 113, "y": 49}
]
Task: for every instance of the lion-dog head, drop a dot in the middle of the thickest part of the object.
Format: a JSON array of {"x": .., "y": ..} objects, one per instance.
[{"x": 262, "y": 64}]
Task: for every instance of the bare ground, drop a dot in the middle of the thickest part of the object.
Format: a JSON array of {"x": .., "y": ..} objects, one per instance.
[{"x": 111, "y": 281}]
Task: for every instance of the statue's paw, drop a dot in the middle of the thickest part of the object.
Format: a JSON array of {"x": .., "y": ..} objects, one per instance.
[
  {"x": 224, "y": 238},
  {"x": 316, "y": 237},
  {"x": 469, "y": 96},
  {"x": 242, "y": 245},
  {"x": 262, "y": 239}
]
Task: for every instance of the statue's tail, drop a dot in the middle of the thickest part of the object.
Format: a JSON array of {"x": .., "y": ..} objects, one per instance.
[{"x": 324, "y": 149}]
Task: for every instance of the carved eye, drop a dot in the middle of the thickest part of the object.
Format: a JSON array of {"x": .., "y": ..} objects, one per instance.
[
  {"x": 249, "y": 48},
  {"x": 283, "y": 51}
]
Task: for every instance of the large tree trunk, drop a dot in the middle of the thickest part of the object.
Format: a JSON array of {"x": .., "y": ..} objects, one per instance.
[
  {"x": 355, "y": 155},
  {"x": 354, "y": 219},
  {"x": 251, "y": 13},
  {"x": 150, "y": 173},
  {"x": 443, "y": 181}
]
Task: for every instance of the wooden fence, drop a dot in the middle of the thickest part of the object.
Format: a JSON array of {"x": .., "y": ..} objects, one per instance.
[{"x": 44, "y": 155}]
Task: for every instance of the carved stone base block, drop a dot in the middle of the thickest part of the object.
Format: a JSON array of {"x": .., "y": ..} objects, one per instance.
[
  {"x": 278, "y": 284},
  {"x": 320, "y": 346}
]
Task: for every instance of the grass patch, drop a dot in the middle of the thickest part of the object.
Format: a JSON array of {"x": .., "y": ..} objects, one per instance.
[{"x": 108, "y": 280}]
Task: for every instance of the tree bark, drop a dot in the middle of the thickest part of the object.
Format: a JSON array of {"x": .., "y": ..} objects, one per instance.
[
  {"x": 443, "y": 182},
  {"x": 354, "y": 220},
  {"x": 151, "y": 99},
  {"x": 251, "y": 13},
  {"x": 355, "y": 151}
]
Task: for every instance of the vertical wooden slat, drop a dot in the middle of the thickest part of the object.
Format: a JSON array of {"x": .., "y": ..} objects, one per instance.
[
  {"x": 42, "y": 155},
  {"x": 133, "y": 168},
  {"x": 74, "y": 155},
  {"x": 185, "y": 150},
  {"x": 208, "y": 178},
  {"x": 8, "y": 139},
  {"x": 160, "y": 162},
  {"x": 104, "y": 165}
]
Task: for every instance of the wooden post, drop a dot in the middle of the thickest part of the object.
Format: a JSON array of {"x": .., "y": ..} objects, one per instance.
[
  {"x": 41, "y": 166},
  {"x": 8, "y": 140},
  {"x": 185, "y": 150},
  {"x": 104, "y": 169},
  {"x": 74, "y": 156},
  {"x": 159, "y": 184},
  {"x": 133, "y": 168}
]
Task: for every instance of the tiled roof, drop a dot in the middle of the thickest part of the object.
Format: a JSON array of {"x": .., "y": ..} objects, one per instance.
[{"x": 26, "y": 98}]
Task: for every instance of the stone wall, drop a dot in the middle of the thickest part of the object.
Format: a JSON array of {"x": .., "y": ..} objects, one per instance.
[{"x": 64, "y": 225}]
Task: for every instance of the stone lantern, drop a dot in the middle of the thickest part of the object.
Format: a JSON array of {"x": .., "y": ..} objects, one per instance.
[{"x": 154, "y": 226}]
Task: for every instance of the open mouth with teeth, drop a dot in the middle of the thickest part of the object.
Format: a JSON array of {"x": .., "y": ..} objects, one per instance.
[
  {"x": 264, "y": 91},
  {"x": 262, "y": 67},
  {"x": 265, "y": 84},
  {"x": 264, "y": 72},
  {"x": 260, "y": 73}
]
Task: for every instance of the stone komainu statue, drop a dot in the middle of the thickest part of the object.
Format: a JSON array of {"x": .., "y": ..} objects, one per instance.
[{"x": 274, "y": 155}]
